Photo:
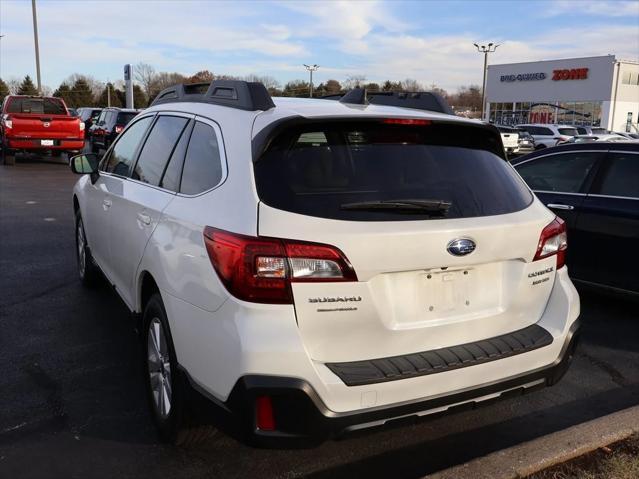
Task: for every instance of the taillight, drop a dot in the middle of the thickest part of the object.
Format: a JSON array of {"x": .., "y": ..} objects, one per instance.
[
  {"x": 553, "y": 241},
  {"x": 406, "y": 121},
  {"x": 7, "y": 122},
  {"x": 118, "y": 129},
  {"x": 82, "y": 126},
  {"x": 261, "y": 270}
]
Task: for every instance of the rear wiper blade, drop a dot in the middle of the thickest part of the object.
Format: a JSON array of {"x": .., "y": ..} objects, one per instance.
[{"x": 440, "y": 207}]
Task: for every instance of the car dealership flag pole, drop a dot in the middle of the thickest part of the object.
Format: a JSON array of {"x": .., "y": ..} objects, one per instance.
[
  {"x": 37, "y": 49},
  {"x": 485, "y": 50}
]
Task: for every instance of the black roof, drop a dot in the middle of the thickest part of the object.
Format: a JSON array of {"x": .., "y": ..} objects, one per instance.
[{"x": 595, "y": 145}]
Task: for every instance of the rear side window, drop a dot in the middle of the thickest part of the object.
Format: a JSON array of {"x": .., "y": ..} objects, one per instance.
[
  {"x": 157, "y": 149},
  {"x": 47, "y": 106},
  {"x": 568, "y": 131},
  {"x": 125, "y": 118},
  {"x": 361, "y": 167},
  {"x": 202, "y": 165},
  {"x": 622, "y": 176},
  {"x": 561, "y": 173},
  {"x": 123, "y": 152}
]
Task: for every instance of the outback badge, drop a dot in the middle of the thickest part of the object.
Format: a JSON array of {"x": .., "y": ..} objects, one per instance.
[{"x": 461, "y": 246}]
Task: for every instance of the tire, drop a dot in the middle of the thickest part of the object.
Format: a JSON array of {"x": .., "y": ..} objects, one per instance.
[
  {"x": 8, "y": 156},
  {"x": 87, "y": 269},
  {"x": 164, "y": 381}
]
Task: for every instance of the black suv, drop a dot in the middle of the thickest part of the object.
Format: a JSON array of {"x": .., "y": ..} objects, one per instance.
[
  {"x": 108, "y": 126},
  {"x": 89, "y": 116}
]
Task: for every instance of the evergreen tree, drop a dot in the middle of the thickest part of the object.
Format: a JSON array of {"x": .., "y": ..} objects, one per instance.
[
  {"x": 103, "y": 99},
  {"x": 139, "y": 98},
  {"x": 27, "y": 87},
  {"x": 4, "y": 90},
  {"x": 64, "y": 92},
  {"x": 81, "y": 94}
]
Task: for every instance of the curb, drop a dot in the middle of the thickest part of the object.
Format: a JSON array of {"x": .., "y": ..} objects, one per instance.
[{"x": 546, "y": 451}]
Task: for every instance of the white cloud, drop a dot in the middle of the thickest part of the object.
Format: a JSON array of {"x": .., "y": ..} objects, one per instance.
[
  {"x": 589, "y": 7},
  {"x": 346, "y": 38}
]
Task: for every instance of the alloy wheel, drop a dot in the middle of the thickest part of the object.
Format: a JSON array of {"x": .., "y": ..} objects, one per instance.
[{"x": 159, "y": 367}]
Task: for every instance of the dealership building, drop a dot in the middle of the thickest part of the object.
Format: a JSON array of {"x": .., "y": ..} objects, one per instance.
[{"x": 599, "y": 91}]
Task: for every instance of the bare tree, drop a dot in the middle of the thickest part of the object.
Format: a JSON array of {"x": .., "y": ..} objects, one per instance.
[
  {"x": 411, "y": 85},
  {"x": 14, "y": 85},
  {"x": 146, "y": 76},
  {"x": 354, "y": 81}
]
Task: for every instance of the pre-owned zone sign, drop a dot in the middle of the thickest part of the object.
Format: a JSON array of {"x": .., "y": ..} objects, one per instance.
[{"x": 572, "y": 74}]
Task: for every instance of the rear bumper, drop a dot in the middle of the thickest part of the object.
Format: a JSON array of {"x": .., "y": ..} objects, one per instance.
[
  {"x": 302, "y": 418},
  {"x": 35, "y": 144}
]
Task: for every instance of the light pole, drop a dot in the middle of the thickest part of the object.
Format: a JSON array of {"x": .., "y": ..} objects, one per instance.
[
  {"x": 311, "y": 69},
  {"x": 37, "y": 49},
  {"x": 485, "y": 50}
]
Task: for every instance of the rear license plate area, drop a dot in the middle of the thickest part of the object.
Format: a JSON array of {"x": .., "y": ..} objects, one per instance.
[{"x": 47, "y": 142}]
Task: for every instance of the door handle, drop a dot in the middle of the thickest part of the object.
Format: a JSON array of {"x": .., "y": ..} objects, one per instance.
[
  {"x": 106, "y": 204},
  {"x": 559, "y": 206},
  {"x": 144, "y": 218}
]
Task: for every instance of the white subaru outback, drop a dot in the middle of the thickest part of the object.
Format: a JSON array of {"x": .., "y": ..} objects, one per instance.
[{"x": 314, "y": 267}]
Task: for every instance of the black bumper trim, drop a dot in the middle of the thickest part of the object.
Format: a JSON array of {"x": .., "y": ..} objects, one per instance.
[
  {"x": 303, "y": 419},
  {"x": 357, "y": 373}
]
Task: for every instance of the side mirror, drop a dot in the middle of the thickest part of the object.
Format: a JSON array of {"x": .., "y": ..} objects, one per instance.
[{"x": 84, "y": 164}]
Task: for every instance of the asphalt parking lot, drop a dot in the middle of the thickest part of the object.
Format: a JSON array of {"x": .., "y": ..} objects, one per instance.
[{"x": 72, "y": 400}]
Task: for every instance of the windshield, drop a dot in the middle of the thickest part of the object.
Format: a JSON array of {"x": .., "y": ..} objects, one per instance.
[
  {"x": 568, "y": 131},
  {"x": 381, "y": 172},
  {"x": 48, "y": 106}
]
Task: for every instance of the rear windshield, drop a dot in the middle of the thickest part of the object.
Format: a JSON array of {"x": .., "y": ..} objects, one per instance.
[
  {"x": 48, "y": 106},
  {"x": 599, "y": 131},
  {"x": 568, "y": 131},
  {"x": 125, "y": 118},
  {"x": 381, "y": 172}
]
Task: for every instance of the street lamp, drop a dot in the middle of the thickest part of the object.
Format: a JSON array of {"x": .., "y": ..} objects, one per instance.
[
  {"x": 37, "y": 49},
  {"x": 485, "y": 50},
  {"x": 311, "y": 69}
]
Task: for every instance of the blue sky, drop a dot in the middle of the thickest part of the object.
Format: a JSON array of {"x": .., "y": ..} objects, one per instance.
[{"x": 430, "y": 41}]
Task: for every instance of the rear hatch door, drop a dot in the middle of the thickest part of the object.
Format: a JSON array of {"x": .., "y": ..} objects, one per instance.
[{"x": 399, "y": 200}]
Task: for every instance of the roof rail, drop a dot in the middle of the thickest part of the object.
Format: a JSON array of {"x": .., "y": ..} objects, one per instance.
[
  {"x": 250, "y": 96},
  {"x": 421, "y": 100}
]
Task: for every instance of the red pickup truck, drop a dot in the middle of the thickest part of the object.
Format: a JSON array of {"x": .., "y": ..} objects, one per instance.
[{"x": 36, "y": 123}]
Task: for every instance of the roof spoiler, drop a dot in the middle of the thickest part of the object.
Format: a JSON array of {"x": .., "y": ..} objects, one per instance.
[
  {"x": 243, "y": 95},
  {"x": 421, "y": 100}
]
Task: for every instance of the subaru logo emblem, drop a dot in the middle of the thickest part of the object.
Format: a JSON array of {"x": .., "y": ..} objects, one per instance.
[
  {"x": 461, "y": 246},
  {"x": 46, "y": 124}
]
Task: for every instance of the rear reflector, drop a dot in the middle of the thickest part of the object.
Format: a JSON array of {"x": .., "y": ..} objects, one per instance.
[
  {"x": 262, "y": 269},
  {"x": 553, "y": 241},
  {"x": 405, "y": 121},
  {"x": 264, "y": 418}
]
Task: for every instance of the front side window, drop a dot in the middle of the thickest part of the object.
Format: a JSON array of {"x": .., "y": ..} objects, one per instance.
[
  {"x": 377, "y": 171},
  {"x": 561, "y": 173},
  {"x": 622, "y": 176},
  {"x": 157, "y": 149},
  {"x": 202, "y": 165},
  {"x": 122, "y": 155}
]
